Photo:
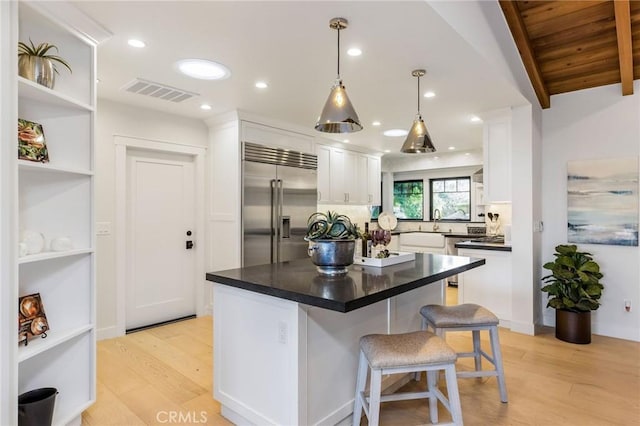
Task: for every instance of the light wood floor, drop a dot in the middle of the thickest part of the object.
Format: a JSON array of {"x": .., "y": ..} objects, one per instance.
[{"x": 144, "y": 376}]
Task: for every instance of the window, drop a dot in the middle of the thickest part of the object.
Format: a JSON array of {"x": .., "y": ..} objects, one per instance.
[
  {"x": 408, "y": 199},
  {"x": 451, "y": 197}
]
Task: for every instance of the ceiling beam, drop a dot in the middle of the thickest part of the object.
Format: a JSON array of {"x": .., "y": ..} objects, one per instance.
[
  {"x": 521, "y": 37},
  {"x": 625, "y": 55}
]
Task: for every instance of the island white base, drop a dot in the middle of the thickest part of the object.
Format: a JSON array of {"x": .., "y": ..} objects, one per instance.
[{"x": 285, "y": 363}]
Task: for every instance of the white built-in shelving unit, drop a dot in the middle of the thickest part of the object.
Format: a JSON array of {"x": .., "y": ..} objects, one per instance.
[{"x": 57, "y": 199}]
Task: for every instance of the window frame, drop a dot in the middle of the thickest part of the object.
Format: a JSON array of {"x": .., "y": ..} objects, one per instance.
[
  {"x": 431, "y": 181},
  {"x": 421, "y": 181}
]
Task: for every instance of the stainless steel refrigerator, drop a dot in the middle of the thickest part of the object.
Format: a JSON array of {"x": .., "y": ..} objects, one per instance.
[{"x": 279, "y": 193}]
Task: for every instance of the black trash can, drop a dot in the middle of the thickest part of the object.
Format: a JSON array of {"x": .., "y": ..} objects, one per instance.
[{"x": 35, "y": 408}]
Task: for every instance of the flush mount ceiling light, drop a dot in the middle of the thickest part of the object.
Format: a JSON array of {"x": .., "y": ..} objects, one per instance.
[
  {"x": 205, "y": 107},
  {"x": 429, "y": 95},
  {"x": 203, "y": 69},
  {"x": 261, "y": 85},
  {"x": 418, "y": 139},
  {"x": 136, "y": 43},
  {"x": 394, "y": 133},
  {"x": 354, "y": 51},
  {"x": 375, "y": 123},
  {"x": 338, "y": 115}
]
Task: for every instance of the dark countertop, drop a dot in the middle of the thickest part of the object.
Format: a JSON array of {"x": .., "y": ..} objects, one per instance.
[
  {"x": 483, "y": 246},
  {"x": 445, "y": 234},
  {"x": 299, "y": 280}
]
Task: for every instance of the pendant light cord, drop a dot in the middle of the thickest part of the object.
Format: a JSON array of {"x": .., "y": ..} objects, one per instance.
[
  {"x": 418, "y": 95},
  {"x": 338, "y": 52}
]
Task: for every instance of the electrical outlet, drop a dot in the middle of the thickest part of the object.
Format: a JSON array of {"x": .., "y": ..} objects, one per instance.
[
  {"x": 282, "y": 332},
  {"x": 627, "y": 305}
]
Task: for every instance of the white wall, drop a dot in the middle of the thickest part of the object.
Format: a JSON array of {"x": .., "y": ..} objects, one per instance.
[
  {"x": 118, "y": 119},
  {"x": 592, "y": 124}
]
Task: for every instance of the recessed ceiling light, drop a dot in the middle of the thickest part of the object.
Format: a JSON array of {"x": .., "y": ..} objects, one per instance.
[
  {"x": 375, "y": 123},
  {"x": 203, "y": 69},
  {"x": 435, "y": 158},
  {"x": 136, "y": 43},
  {"x": 354, "y": 51},
  {"x": 346, "y": 141},
  {"x": 429, "y": 95},
  {"x": 451, "y": 148},
  {"x": 205, "y": 107},
  {"x": 467, "y": 153},
  {"x": 395, "y": 133},
  {"x": 387, "y": 150},
  {"x": 475, "y": 119},
  {"x": 261, "y": 85}
]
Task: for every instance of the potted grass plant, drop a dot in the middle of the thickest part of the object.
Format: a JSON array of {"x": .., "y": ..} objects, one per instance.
[
  {"x": 333, "y": 237},
  {"x": 574, "y": 290},
  {"x": 38, "y": 64}
]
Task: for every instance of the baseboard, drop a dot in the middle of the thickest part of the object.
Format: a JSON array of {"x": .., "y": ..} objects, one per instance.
[
  {"x": 523, "y": 327},
  {"x": 107, "y": 333}
]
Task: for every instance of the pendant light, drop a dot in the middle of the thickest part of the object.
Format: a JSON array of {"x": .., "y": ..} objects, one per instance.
[
  {"x": 418, "y": 139},
  {"x": 338, "y": 115}
]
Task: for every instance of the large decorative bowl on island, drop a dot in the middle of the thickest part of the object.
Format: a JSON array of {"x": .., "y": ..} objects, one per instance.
[{"x": 333, "y": 239}]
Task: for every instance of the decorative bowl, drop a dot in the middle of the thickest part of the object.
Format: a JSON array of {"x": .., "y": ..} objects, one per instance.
[{"x": 332, "y": 256}]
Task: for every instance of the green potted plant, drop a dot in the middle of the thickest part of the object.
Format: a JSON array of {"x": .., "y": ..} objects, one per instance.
[
  {"x": 333, "y": 237},
  {"x": 37, "y": 64},
  {"x": 573, "y": 290}
]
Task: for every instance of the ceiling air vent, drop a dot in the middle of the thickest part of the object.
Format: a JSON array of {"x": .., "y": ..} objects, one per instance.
[{"x": 157, "y": 90}]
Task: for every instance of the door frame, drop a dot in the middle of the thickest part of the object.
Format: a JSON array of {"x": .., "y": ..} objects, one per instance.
[{"x": 122, "y": 145}]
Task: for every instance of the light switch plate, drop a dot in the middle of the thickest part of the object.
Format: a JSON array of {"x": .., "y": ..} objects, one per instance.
[{"x": 103, "y": 228}]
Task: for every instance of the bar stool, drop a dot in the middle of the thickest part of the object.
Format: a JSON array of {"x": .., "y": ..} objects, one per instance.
[
  {"x": 405, "y": 353},
  {"x": 474, "y": 318}
]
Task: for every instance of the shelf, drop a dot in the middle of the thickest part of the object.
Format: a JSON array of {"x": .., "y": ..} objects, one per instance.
[
  {"x": 53, "y": 255},
  {"x": 45, "y": 167},
  {"x": 38, "y": 345},
  {"x": 29, "y": 90}
]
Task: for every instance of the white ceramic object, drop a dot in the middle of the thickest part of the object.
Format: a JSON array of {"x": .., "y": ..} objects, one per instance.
[
  {"x": 387, "y": 221},
  {"x": 22, "y": 249},
  {"x": 34, "y": 241},
  {"x": 61, "y": 244}
]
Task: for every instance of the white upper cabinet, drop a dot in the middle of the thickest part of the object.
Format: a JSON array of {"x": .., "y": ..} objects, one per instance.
[
  {"x": 276, "y": 137},
  {"x": 374, "y": 181},
  {"x": 324, "y": 173},
  {"x": 497, "y": 157},
  {"x": 351, "y": 177}
]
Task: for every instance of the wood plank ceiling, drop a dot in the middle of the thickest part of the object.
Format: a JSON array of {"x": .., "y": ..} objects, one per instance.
[{"x": 574, "y": 45}]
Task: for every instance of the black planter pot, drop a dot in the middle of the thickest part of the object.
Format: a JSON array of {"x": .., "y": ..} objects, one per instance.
[{"x": 573, "y": 327}]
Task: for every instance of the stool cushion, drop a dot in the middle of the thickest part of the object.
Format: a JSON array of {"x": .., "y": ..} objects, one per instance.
[
  {"x": 458, "y": 315},
  {"x": 398, "y": 350}
]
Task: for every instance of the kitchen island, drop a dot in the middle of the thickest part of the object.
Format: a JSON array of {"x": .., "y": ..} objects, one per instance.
[{"x": 286, "y": 338}]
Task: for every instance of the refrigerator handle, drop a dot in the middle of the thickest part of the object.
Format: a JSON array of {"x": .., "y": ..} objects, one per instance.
[
  {"x": 274, "y": 221},
  {"x": 279, "y": 220}
]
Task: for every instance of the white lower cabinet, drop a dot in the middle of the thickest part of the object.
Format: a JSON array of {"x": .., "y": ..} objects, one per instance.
[{"x": 488, "y": 285}]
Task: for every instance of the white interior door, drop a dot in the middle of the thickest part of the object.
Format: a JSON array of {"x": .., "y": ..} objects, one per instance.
[{"x": 160, "y": 284}]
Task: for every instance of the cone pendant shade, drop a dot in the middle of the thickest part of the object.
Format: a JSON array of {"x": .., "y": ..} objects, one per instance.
[
  {"x": 338, "y": 115},
  {"x": 418, "y": 140}
]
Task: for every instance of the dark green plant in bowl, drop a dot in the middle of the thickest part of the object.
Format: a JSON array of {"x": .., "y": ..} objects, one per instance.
[
  {"x": 330, "y": 226},
  {"x": 574, "y": 281}
]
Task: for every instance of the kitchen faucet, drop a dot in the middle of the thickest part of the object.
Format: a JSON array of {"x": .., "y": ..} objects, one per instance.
[{"x": 436, "y": 218}]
